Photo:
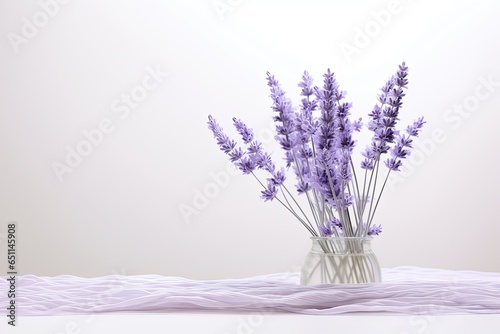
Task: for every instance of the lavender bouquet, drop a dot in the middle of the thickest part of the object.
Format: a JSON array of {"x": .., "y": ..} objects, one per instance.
[{"x": 317, "y": 139}]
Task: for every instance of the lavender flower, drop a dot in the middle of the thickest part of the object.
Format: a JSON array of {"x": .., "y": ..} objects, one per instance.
[
  {"x": 401, "y": 80},
  {"x": 317, "y": 139},
  {"x": 357, "y": 125},
  {"x": 270, "y": 192},
  {"x": 279, "y": 177},
  {"x": 400, "y": 150},
  {"x": 289, "y": 158},
  {"x": 376, "y": 117},
  {"x": 255, "y": 147},
  {"x": 405, "y": 141},
  {"x": 384, "y": 118},
  {"x": 379, "y": 147},
  {"x": 393, "y": 164},
  {"x": 235, "y": 154},
  {"x": 226, "y": 145},
  {"x": 247, "y": 165},
  {"x": 384, "y": 135},
  {"x": 327, "y": 136},
  {"x": 305, "y": 152},
  {"x": 347, "y": 200},
  {"x": 263, "y": 161},
  {"x": 243, "y": 130},
  {"x": 375, "y": 230},
  {"x": 369, "y": 160},
  {"x": 335, "y": 222},
  {"x": 326, "y": 230},
  {"x": 415, "y": 128},
  {"x": 285, "y": 116},
  {"x": 367, "y": 164},
  {"x": 306, "y": 85},
  {"x": 303, "y": 187}
]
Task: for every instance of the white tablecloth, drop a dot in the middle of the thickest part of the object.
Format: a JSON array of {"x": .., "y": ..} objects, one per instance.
[{"x": 405, "y": 290}]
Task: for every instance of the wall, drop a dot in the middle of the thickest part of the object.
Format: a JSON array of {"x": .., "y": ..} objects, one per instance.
[{"x": 108, "y": 166}]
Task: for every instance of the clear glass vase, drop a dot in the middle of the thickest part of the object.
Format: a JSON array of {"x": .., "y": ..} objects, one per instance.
[{"x": 346, "y": 260}]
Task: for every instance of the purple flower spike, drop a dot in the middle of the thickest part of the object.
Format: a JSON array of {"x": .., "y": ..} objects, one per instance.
[
  {"x": 369, "y": 160},
  {"x": 306, "y": 85},
  {"x": 384, "y": 117},
  {"x": 401, "y": 80},
  {"x": 255, "y": 147},
  {"x": 400, "y": 149},
  {"x": 279, "y": 177},
  {"x": 367, "y": 164},
  {"x": 245, "y": 132},
  {"x": 380, "y": 147},
  {"x": 376, "y": 114},
  {"x": 326, "y": 230},
  {"x": 393, "y": 164},
  {"x": 318, "y": 139},
  {"x": 303, "y": 187},
  {"x": 235, "y": 154},
  {"x": 335, "y": 222},
  {"x": 270, "y": 192},
  {"x": 375, "y": 230},
  {"x": 357, "y": 125},
  {"x": 263, "y": 161},
  {"x": 246, "y": 165},
  {"x": 415, "y": 128},
  {"x": 405, "y": 142},
  {"x": 226, "y": 145},
  {"x": 285, "y": 115},
  {"x": 399, "y": 152}
]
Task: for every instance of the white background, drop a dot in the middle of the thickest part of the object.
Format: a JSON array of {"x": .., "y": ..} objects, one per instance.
[{"x": 120, "y": 208}]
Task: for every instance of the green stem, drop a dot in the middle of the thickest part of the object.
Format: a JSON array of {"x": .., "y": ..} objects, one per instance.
[
  {"x": 290, "y": 209},
  {"x": 378, "y": 199},
  {"x": 370, "y": 217},
  {"x": 296, "y": 203}
]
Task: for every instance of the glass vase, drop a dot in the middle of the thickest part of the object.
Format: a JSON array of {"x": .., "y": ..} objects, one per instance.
[{"x": 344, "y": 260}]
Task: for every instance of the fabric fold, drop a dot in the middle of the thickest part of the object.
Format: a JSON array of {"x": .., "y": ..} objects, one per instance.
[{"x": 405, "y": 290}]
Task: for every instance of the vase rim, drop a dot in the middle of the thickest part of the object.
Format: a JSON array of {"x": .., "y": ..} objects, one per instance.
[{"x": 341, "y": 238}]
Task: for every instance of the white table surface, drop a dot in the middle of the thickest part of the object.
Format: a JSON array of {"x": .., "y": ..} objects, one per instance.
[{"x": 410, "y": 300}]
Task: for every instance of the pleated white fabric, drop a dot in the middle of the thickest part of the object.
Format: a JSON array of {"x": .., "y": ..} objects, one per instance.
[{"x": 405, "y": 290}]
